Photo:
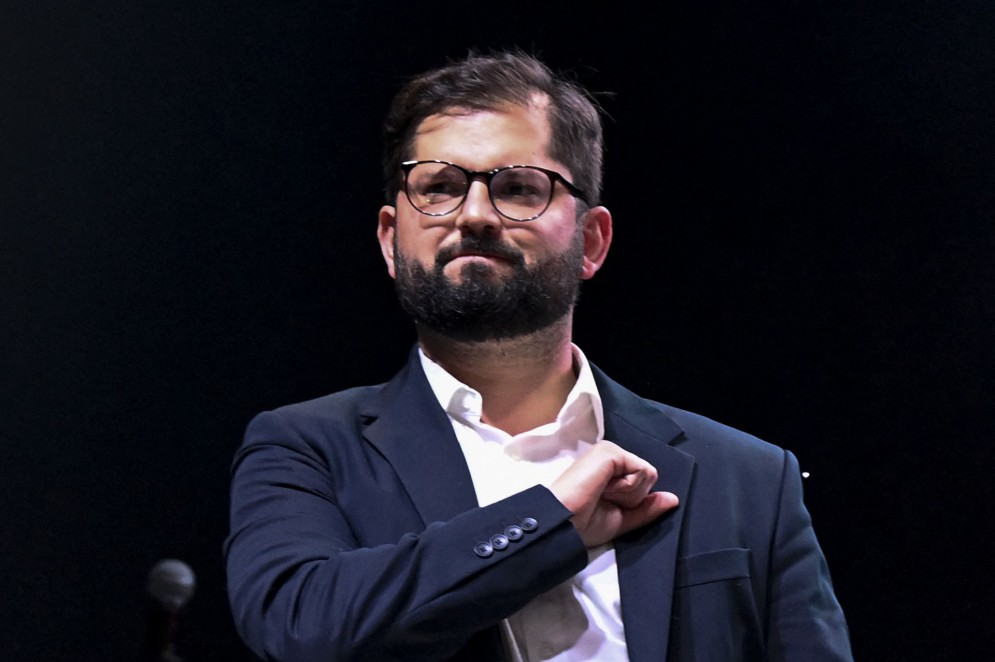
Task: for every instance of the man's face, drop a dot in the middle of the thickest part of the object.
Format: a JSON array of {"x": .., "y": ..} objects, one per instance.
[{"x": 473, "y": 274}]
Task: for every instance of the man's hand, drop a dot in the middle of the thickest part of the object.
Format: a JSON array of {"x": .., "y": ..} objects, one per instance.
[{"x": 608, "y": 491}]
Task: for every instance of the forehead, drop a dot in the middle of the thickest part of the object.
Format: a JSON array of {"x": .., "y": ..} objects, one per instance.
[{"x": 484, "y": 139}]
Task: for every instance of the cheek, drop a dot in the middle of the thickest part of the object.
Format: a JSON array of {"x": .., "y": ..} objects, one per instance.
[
  {"x": 418, "y": 244},
  {"x": 554, "y": 242}
]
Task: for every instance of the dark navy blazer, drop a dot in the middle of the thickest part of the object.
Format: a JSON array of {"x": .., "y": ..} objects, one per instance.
[{"x": 354, "y": 524}]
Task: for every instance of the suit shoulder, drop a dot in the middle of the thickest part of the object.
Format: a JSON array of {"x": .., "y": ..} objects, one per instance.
[
  {"x": 698, "y": 435},
  {"x": 349, "y": 402},
  {"x": 324, "y": 417},
  {"x": 703, "y": 435}
]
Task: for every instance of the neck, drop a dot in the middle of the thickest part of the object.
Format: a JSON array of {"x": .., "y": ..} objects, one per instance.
[{"x": 523, "y": 381}]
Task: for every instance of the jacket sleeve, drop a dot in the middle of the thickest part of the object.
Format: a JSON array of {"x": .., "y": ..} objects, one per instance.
[
  {"x": 804, "y": 621},
  {"x": 302, "y": 587}
]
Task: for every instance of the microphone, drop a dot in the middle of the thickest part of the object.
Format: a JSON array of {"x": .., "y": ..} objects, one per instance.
[{"x": 171, "y": 585}]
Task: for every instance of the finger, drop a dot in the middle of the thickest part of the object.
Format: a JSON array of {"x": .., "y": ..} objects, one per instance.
[
  {"x": 625, "y": 498},
  {"x": 628, "y": 490},
  {"x": 652, "y": 506},
  {"x": 623, "y": 462}
]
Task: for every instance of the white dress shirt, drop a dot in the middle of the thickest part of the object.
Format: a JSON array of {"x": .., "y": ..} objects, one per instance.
[{"x": 580, "y": 619}]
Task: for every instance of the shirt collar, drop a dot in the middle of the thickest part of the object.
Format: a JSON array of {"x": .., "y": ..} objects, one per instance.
[{"x": 462, "y": 402}]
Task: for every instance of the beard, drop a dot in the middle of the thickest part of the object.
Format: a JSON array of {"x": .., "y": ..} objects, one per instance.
[{"x": 482, "y": 306}]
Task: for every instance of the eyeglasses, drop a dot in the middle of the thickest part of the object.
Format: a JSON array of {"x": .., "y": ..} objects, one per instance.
[{"x": 518, "y": 192}]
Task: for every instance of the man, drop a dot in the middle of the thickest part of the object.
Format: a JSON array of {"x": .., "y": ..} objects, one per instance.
[{"x": 501, "y": 498}]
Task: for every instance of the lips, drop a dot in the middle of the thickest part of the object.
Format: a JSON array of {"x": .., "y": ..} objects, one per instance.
[
  {"x": 471, "y": 254},
  {"x": 471, "y": 247}
]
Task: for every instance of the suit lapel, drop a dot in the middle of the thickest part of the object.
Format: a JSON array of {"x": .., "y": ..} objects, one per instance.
[
  {"x": 414, "y": 434},
  {"x": 647, "y": 557}
]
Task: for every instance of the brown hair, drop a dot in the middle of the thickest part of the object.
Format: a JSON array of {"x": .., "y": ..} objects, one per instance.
[{"x": 487, "y": 82}]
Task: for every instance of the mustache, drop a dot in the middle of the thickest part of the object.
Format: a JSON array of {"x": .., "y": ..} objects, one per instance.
[{"x": 485, "y": 245}]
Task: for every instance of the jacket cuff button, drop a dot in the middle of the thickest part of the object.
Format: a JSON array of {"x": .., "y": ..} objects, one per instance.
[
  {"x": 499, "y": 541},
  {"x": 529, "y": 524},
  {"x": 514, "y": 532},
  {"x": 483, "y": 549}
]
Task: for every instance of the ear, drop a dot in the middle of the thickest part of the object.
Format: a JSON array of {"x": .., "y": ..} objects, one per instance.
[
  {"x": 386, "y": 227},
  {"x": 597, "y": 227}
]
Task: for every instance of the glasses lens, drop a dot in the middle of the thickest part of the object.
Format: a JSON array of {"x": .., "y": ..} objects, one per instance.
[
  {"x": 436, "y": 188},
  {"x": 521, "y": 193}
]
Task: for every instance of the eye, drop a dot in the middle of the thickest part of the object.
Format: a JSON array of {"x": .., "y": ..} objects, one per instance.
[
  {"x": 521, "y": 186},
  {"x": 436, "y": 182}
]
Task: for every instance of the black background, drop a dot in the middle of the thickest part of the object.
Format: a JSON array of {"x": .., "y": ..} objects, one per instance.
[{"x": 803, "y": 204}]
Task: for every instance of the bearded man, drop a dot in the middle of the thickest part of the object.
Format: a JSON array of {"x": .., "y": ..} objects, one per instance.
[{"x": 501, "y": 498}]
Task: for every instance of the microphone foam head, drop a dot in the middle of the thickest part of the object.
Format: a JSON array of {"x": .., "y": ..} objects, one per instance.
[{"x": 171, "y": 583}]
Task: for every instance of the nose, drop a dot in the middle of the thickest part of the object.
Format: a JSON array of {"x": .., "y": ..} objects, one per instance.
[{"x": 477, "y": 215}]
